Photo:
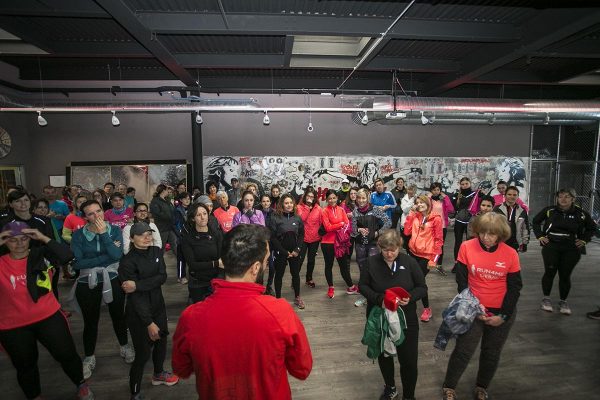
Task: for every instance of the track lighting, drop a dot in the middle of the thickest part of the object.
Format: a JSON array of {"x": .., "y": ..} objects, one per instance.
[
  {"x": 365, "y": 119},
  {"x": 492, "y": 119},
  {"x": 115, "y": 121},
  {"x": 547, "y": 119},
  {"x": 310, "y": 127},
  {"x": 266, "y": 119},
  {"x": 199, "y": 119},
  {"x": 424, "y": 119},
  {"x": 41, "y": 120}
]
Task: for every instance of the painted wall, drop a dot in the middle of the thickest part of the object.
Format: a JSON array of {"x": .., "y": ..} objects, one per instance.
[{"x": 21, "y": 143}]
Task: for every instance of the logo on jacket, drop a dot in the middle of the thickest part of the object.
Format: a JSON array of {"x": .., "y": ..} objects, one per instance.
[
  {"x": 473, "y": 269},
  {"x": 13, "y": 282},
  {"x": 500, "y": 264}
]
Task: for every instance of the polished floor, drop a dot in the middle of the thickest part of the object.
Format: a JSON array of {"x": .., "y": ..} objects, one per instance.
[{"x": 547, "y": 356}]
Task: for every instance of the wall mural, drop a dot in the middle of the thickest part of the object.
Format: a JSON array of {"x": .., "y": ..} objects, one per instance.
[{"x": 293, "y": 174}]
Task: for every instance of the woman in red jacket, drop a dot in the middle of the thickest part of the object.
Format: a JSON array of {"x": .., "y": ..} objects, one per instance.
[
  {"x": 335, "y": 219},
  {"x": 311, "y": 213},
  {"x": 426, "y": 240}
]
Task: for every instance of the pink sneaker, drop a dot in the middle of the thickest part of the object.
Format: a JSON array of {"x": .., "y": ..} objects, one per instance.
[
  {"x": 426, "y": 315},
  {"x": 164, "y": 378},
  {"x": 352, "y": 290},
  {"x": 331, "y": 292}
]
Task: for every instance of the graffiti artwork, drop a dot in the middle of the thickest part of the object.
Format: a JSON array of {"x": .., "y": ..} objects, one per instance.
[{"x": 293, "y": 174}]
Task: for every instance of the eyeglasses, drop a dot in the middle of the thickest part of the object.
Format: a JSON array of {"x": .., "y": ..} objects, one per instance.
[{"x": 141, "y": 211}]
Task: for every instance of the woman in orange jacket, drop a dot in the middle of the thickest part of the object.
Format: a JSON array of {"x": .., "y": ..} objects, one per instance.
[
  {"x": 334, "y": 219},
  {"x": 426, "y": 240}
]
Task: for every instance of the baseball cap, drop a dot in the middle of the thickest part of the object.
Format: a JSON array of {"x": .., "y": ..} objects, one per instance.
[
  {"x": 204, "y": 199},
  {"x": 139, "y": 228},
  {"x": 15, "y": 228},
  {"x": 345, "y": 180}
]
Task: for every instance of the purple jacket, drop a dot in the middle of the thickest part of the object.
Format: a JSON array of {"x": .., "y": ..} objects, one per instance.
[{"x": 257, "y": 218}]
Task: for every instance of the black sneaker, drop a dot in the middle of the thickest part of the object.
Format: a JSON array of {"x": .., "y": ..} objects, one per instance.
[
  {"x": 389, "y": 393},
  {"x": 269, "y": 291},
  {"x": 594, "y": 314}
]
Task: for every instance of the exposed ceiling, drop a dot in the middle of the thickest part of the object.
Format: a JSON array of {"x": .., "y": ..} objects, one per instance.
[{"x": 524, "y": 49}]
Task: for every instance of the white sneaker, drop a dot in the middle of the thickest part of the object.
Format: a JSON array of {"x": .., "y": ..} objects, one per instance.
[
  {"x": 564, "y": 307},
  {"x": 128, "y": 353},
  {"x": 360, "y": 302},
  {"x": 546, "y": 304},
  {"x": 89, "y": 364}
]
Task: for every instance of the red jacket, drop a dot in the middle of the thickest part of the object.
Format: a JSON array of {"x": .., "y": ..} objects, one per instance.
[
  {"x": 333, "y": 219},
  {"x": 426, "y": 236},
  {"x": 312, "y": 220},
  {"x": 241, "y": 344}
]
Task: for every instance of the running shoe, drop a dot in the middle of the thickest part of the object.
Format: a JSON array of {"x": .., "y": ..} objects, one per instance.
[
  {"x": 299, "y": 302},
  {"x": 138, "y": 396},
  {"x": 89, "y": 364},
  {"x": 440, "y": 270},
  {"x": 331, "y": 292},
  {"x": 84, "y": 392},
  {"x": 594, "y": 314},
  {"x": 547, "y": 304},
  {"x": 310, "y": 283},
  {"x": 128, "y": 353},
  {"x": 164, "y": 378},
  {"x": 183, "y": 281},
  {"x": 360, "y": 302},
  {"x": 480, "y": 394},
  {"x": 426, "y": 315},
  {"x": 352, "y": 290},
  {"x": 449, "y": 394},
  {"x": 269, "y": 291},
  {"x": 564, "y": 308},
  {"x": 389, "y": 393}
]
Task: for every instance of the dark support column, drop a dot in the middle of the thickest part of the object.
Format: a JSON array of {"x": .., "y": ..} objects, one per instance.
[{"x": 197, "y": 166}]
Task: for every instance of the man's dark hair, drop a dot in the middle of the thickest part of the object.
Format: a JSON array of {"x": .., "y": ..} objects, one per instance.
[
  {"x": 87, "y": 204},
  {"x": 109, "y": 184},
  {"x": 183, "y": 195},
  {"x": 243, "y": 246},
  {"x": 516, "y": 189},
  {"x": 130, "y": 189},
  {"x": 501, "y": 183},
  {"x": 486, "y": 197}
]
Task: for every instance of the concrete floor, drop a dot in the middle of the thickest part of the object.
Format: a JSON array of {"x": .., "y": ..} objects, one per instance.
[{"x": 546, "y": 356}]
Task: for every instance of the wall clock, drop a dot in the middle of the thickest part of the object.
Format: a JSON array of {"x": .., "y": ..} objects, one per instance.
[{"x": 5, "y": 143}]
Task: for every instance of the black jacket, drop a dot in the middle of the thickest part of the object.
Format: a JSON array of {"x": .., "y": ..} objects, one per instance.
[
  {"x": 562, "y": 228},
  {"x": 42, "y": 224},
  {"x": 148, "y": 270},
  {"x": 374, "y": 219},
  {"x": 376, "y": 277},
  {"x": 287, "y": 232},
  {"x": 54, "y": 252},
  {"x": 163, "y": 212},
  {"x": 202, "y": 252}
]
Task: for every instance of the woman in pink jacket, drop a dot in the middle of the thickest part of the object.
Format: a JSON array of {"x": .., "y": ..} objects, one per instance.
[
  {"x": 334, "y": 219},
  {"x": 441, "y": 205},
  {"x": 311, "y": 213}
]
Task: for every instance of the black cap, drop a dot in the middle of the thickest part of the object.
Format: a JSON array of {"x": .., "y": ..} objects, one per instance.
[{"x": 139, "y": 228}]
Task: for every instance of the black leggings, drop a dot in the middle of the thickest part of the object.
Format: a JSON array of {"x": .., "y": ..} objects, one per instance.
[
  {"x": 281, "y": 261},
  {"x": 311, "y": 250},
  {"x": 408, "y": 355},
  {"x": 199, "y": 293},
  {"x": 444, "y": 233},
  {"x": 343, "y": 262},
  {"x": 460, "y": 230},
  {"x": 492, "y": 341},
  {"x": 181, "y": 273},
  {"x": 563, "y": 261},
  {"x": 423, "y": 264},
  {"x": 90, "y": 301},
  {"x": 143, "y": 348},
  {"x": 21, "y": 346}
]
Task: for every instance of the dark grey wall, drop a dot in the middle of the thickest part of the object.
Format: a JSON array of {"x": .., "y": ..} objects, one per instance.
[{"x": 91, "y": 137}]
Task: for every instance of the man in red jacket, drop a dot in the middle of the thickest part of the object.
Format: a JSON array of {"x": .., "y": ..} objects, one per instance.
[{"x": 239, "y": 343}]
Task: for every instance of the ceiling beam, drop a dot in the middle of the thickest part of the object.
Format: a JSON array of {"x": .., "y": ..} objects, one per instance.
[
  {"x": 194, "y": 60},
  {"x": 99, "y": 49},
  {"x": 412, "y": 64},
  {"x": 287, "y": 52},
  {"x": 537, "y": 34},
  {"x": 125, "y": 17},
  {"x": 511, "y": 77},
  {"x": 53, "y": 8},
  {"x": 282, "y": 24}
]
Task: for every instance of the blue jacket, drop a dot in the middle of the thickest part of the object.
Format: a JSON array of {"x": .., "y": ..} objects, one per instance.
[
  {"x": 457, "y": 318},
  {"x": 92, "y": 250},
  {"x": 383, "y": 199}
]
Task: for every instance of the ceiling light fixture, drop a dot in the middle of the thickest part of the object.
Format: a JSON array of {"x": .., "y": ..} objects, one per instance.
[
  {"x": 115, "y": 121},
  {"x": 365, "y": 118},
  {"x": 199, "y": 119},
  {"x": 424, "y": 119},
  {"x": 41, "y": 120},
  {"x": 266, "y": 119},
  {"x": 547, "y": 119},
  {"x": 492, "y": 119}
]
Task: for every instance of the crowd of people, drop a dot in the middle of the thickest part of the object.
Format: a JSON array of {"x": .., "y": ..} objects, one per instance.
[{"x": 112, "y": 248}]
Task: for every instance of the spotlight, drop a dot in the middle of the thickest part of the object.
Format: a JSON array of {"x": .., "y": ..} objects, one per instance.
[
  {"x": 266, "y": 119},
  {"x": 310, "y": 127},
  {"x": 41, "y": 120},
  {"x": 199, "y": 119},
  {"x": 424, "y": 119},
  {"x": 492, "y": 119},
  {"x": 547, "y": 119},
  {"x": 365, "y": 119},
  {"x": 115, "y": 121},
  {"x": 395, "y": 115}
]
